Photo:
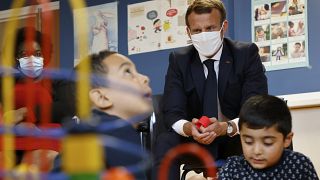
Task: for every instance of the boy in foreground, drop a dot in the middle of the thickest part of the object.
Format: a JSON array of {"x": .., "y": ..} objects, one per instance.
[{"x": 265, "y": 131}]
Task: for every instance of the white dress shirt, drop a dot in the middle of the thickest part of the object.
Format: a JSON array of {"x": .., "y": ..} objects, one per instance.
[{"x": 178, "y": 126}]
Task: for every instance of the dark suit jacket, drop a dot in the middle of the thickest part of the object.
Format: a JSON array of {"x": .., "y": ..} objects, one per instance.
[{"x": 241, "y": 75}]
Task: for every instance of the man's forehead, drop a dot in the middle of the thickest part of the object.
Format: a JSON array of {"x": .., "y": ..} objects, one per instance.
[{"x": 214, "y": 12}]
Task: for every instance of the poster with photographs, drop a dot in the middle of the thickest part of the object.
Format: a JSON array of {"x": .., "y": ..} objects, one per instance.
[{"x": 279, "y": 28}]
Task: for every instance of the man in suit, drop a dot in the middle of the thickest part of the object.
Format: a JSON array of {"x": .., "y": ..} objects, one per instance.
[{"x": 236, "y": 74}]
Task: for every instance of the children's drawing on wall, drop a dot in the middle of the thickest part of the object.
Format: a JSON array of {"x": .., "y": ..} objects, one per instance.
[
  {"x": 157, "y": 26},
  {"x": 103, "y": 28},
  {"x": 162, "y": 26},
  {"x": 144, "y": 28},
  {"x": 167, "y": 26},
  {"x": 99, "y": 32},
  {"x": 173, "y": 14}
]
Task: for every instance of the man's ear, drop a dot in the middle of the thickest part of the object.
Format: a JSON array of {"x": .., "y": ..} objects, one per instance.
[
  {"x": 188, "y": 32},
  {"x": 99, "y": 99},
  {"x": 225, "y": 26},
  {"x": 288, "y": 140}
]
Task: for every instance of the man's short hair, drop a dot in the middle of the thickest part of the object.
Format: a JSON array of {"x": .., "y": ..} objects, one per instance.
[
  {"x": 265, "y": 111},
  {"x": 206, "y": 6}
]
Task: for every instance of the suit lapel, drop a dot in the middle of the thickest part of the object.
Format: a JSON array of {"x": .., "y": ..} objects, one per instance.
[
  {"x": 198, "y": 74},
  {"x": 225, "y": 65}
]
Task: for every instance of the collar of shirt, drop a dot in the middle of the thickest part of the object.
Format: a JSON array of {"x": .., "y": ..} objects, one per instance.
[
  {"x": 216, "y": 63},
  {"x": 215, "y": 57}
]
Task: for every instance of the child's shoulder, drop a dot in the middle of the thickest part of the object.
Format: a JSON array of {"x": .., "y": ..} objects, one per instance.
[
  {"x": 297, "y": 160},
  {"x": 293, "y": 155},
  {"x": 299, "y": 164}
]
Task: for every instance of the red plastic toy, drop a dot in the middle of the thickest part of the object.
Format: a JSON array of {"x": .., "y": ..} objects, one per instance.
[{"x": 203, "y": 121}]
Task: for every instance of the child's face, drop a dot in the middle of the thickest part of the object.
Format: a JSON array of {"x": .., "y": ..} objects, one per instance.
[
  {"x": 24, "y": 50},
  {"x": 261, "y": 33},
  {"x": 129, "y": 92},
  {"x": 263, "y": 148},
  {"x": 297, "y": 47}
]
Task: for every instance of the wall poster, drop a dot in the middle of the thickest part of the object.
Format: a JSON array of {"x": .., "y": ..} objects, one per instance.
[
  {"x": 157, "y": 25},
  {"x": 279, "y": 28},
  {"x": 103, "y": 28}
]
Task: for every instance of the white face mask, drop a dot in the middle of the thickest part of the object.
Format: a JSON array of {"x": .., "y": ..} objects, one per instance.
[
  {"x": 31, "y": 66},
  {"x": 207, "y": 43}
]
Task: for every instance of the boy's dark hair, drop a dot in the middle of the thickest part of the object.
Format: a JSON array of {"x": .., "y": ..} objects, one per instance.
[
  {"x": 98, "y": 69},
  {"x": 206, "y": 6},
  {"x": 266, "y": 7},
  {"x": 265, "y": 111}
]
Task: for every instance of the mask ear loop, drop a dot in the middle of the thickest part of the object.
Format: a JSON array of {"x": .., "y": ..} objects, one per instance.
[
  {"x": 222, "y": 29},
  {"x": 222, "y": 25}
]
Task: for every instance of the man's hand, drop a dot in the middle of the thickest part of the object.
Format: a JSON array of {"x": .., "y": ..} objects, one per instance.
[
  {"x": 191, "y": 130},
  {"x": 220, "y": 128}
]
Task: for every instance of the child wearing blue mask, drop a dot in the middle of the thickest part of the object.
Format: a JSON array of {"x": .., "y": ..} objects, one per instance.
[
  {"x": 35, "y": 97},
  {"x": 29, "y": 58},
  {"x": 265, "y": 132}
]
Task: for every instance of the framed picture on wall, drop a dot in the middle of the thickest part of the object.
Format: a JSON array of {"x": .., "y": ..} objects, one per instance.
[
  {"x": 35, "y": 16},
  {"x": 279, "y": 28},
  {"x": 103, "y": 28},
  {"x": 157, "y": 25}
]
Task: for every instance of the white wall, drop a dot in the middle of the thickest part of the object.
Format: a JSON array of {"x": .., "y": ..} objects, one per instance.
[
  {"x": 305, "y": 111},
  {"x": 306, "y": 128}
]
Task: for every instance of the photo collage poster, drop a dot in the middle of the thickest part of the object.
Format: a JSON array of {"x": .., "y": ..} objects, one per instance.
[
  {"x": 279, "y": 28},
  {"x": 103, "y": 28},
  {"x": 157, "y": 25}
]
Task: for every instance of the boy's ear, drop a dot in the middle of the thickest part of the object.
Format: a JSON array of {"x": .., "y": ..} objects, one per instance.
[
  {"x": 288, "y": 140},
  {"x": 99, "y": 99}
]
